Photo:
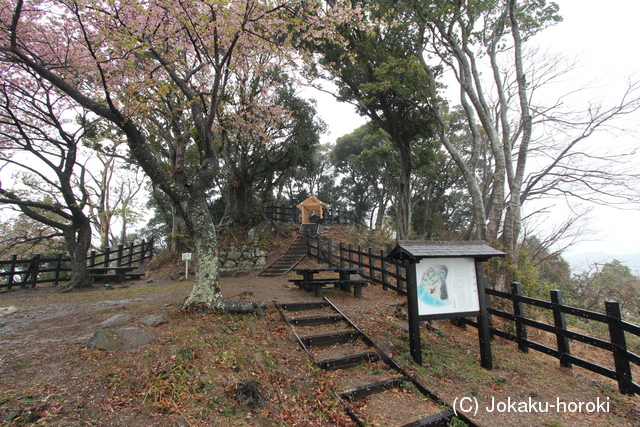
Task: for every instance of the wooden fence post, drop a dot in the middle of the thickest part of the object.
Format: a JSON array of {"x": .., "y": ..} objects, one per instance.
[
  {"x": 360, "y": 263},
  {"x": 11, "y": 272},
  {"x": 383, "y": 255},
  {"x": 484, "y": 333},
  {"x": 318, "y": 249},
  {"x": 119, "y": 255},
  {"x": 620, "y": 358},
  {"x": 518, "y": 312},
  {"x": 560, "y": 322},
  {"x": 56, "y": 273},
  {"x": 132, "y": 248},
  {"x": 92, "y": 258},
  {"x": 32, "y": 272},
  {"x": 150, "y": 244},
  {"x": 107, "y": 254},
  {"x": 330, "y": 251},
  {"x": 371, "y": 263},
  {"x": 341, "y": 254}
]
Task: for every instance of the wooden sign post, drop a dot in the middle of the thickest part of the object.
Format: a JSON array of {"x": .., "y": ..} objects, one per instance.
[{"x": 445, "y": 281}]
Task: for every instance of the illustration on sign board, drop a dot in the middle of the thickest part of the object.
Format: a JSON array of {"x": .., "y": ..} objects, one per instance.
[
  {"x": 446, "y": 285},
  {"x": 432, "y": 289}
]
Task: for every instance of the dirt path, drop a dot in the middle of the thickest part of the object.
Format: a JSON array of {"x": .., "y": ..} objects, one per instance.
[{"x": 47, "y": 377}]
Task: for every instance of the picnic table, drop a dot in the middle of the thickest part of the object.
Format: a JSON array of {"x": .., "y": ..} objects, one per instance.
[
  {"x": 118, "y": 273},
  {"x": 347, "y": 277}
]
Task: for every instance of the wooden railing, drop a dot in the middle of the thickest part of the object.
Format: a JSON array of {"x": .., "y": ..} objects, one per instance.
[
  {"x": 38, "y": 269},
  {"x": 376, "y": 267},
  {"x": 616, "y": 343},
  {"x": 283, "y": 213},
  {"x": 392, "y": 274},
  {"x": 292, "y": 214}
]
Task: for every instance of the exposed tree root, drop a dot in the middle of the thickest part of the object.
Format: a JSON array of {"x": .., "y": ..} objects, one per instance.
[{"x": 224, "y": 304}]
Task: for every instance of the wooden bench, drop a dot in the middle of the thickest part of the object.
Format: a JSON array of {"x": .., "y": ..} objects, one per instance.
[
  {"x": 345, "y": 282},
  {"x": 357, "y": 282}
]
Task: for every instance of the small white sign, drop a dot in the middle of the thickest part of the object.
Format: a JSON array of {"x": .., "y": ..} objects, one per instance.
[{"x": 186, "y": 256}]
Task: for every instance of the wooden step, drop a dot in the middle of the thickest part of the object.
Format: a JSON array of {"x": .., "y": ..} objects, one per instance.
[
  {"x": 326, "y": 340},
  {"x": 441, "y": 419},
  {"x": 357, "y": 393},
  {"x": 316, "y": 320},
  {"x": 303, "y": 306},
  {"x": 346, "y": 362}
]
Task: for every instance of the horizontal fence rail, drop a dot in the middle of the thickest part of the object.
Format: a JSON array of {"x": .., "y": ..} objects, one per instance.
[
  {"x": 377, "y": 268},
  {"x": 622, "y": 357},
  {"x": 38, "y": 269},
  {"x": 284, "y": 213},
  {"x": 392, "y": 274}
]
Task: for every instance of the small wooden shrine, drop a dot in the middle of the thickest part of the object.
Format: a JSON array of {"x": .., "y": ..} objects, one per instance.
[{"x": 312, "y": 210}]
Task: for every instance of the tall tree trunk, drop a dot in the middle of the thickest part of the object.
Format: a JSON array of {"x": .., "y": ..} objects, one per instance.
[
  {"x": 403, "y": 207},
  {"x": 240, "y": 202},
  {"x": 205, "y": 294},
  {"x": 179, "y": 234},
  {"x": 78, "y": 239},
  {"x": 513, "y": 217}
]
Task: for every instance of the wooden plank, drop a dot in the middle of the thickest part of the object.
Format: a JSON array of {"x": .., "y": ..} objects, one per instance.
[
  {"x": 347, "y": 361},
  {"x": 326, "y": 340},
  {"x": 441, "y": 419},
  {"x": 358, "y": 393},
  {"x": 315, "y": 320},
  {"x": 302, "y": 306}
]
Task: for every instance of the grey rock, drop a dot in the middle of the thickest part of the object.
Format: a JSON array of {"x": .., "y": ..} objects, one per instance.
[
  {"x": 234, "y": 256},
  {"x": 181, "y": 422},
  {"x": 261, "y": 261},
  {"x": 7, "y": 311},
  {"x": 227, "y": 272},
  {"x": 261, "y": 253},
  {"x": 173, "y": 276},
  {"x": 153, "y": 320},
  {"x": 121, "y": 339},
  {"x": 245, "y": 264},
  {"x": 230, "y": 264},
  {"x": 243, "y": 272},
  {"x": 116, "y": 321}
]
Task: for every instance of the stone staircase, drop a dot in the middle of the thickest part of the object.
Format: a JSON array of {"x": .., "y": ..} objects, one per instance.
[{"x": 294, "y": 254}]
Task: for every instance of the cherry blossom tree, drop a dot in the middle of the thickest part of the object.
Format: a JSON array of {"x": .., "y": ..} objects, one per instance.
[{"x": 171, "y": 63}]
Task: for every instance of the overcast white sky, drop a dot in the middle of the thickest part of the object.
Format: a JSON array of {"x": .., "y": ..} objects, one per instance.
[{"x": 604, "y": 39}]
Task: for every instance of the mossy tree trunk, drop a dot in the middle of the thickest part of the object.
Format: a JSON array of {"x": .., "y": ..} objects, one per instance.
[{"x": 206, "y": 295}]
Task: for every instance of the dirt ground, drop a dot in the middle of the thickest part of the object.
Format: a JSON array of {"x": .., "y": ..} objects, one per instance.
[{"x": 48, "y": 377}]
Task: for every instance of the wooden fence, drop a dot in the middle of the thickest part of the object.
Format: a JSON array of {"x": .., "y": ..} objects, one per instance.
[
  {"x": 377, "y": 268},
  {"x": 38, "y": 269},
  {"x": 616, "y": 344},
  {"x": 283, "y": 213},
  {"x": 292, "y": 214},
  {"x": 391, "y": 274}
]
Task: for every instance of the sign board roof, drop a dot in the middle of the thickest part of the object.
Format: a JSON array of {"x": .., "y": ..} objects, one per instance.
[{"x": 413, "y": 250}]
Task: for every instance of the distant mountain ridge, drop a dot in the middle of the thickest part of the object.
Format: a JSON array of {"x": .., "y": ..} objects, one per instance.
[{"x": 582, "y": 262}]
